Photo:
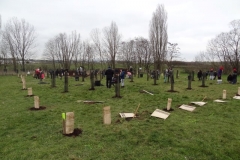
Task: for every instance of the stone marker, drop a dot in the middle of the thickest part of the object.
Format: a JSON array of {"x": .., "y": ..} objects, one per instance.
[
  {"x": 106, "y": 115},
  {"x": 199, "y": 103},
  {"x": 169, "y": 104},
  {"x": 36, "y": 102},
  {"x": 30, "y": 92},
  {"x": 224, "y": 94}
]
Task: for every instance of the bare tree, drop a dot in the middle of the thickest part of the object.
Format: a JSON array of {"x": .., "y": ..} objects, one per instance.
[
  {"x": 173, "y": 52},
  {"x": 50, "y": 52},
  {"x": 20, "y": 36},
  {"x": 225, "y": 47},
  {"x": 158, "y": 37},
  {"x": 96, "y": 38},
  {"x": 144, "y": 53},
  {"x": 88, "y": 53},
  {"x": 67, "y": 46},
  {"x": 111, "y": 42}
]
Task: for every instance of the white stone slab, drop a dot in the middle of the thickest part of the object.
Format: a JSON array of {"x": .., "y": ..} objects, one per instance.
[
  {"x": 187, "y": 107},
  {"x": 236, "y": 97},
  {"x": 199, "y": 103},
  {"x": 219, "y": 101},
  {"x": 160, "y": 114},
  {"x": 127, "y": 115}
]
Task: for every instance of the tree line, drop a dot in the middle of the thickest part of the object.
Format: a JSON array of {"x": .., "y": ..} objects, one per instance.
[{"x": 105, "y": 45}]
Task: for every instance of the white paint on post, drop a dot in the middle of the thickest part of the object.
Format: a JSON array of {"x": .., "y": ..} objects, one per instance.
[
  {"x": 36, "y": 102},
  {"x": 29, "y": 91},
  {"x": 106, "y": 115},
  {"x": 224, "y": 94},
  {"x": 169, "y": 104},
  {"x": 69, "y": 122}
]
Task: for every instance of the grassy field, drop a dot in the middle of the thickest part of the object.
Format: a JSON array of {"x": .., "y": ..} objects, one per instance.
[{"x": 209, "y": 132}]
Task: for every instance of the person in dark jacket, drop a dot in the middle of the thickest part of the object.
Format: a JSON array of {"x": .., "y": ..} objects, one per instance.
[
  {"x": 234, "y": 76},
  {"x": 109, "y": 74},
  {"x": 199, "y": 74}
]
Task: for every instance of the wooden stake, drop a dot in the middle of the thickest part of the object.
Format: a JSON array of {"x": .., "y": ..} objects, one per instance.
[
  {"x": 36, "y": 102},
  {"x": 69, "y": 125},
  {"x": 136, "y": 110},
  {"x": 224, "y": 94},
  {"x": 29, "y": 91},
  {"x": 238, "y": 90},
  {"x": 106, "y": 115},
  {"x": 204, "y": 98},
  {"x": 23, "y": 82},
  {"x": 169, "y": 104},
  {"x": 148, "y": 92}
]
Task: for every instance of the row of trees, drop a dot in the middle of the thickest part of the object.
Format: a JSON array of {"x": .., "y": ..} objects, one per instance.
[
  {"x": 224, "y": 49},
  {"x": 105, "y": 46}
]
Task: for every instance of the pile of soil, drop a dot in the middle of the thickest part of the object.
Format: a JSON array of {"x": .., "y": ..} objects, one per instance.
[
  {"x": 76, "y": 132},
  {"x": 36, "y": 109}
]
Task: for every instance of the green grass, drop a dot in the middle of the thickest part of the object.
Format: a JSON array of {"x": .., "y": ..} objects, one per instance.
[{"x": 209, "y": 132}]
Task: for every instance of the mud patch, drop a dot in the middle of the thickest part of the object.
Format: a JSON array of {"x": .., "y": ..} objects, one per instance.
[
  {"x": 29, "y": 95},
  {"x": 76, "y": 132},
  {"x": 37, "y": 109},
  {"x": 172, "y": 91},
  {"x": 165, "y": 109}
]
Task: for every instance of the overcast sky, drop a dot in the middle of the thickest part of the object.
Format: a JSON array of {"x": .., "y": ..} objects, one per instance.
[{"x": 191, "y": 23}]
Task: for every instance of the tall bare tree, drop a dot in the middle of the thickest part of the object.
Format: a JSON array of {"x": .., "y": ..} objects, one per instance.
[
  {"x": 21, "y": 37},
  {"x": 173, "y": 52},
  {"x": 67, "y": 46},
  {"x": 96, "y": 38},
  {"x": 158, "y": 37},
  {"x": 111, "y": 41}
]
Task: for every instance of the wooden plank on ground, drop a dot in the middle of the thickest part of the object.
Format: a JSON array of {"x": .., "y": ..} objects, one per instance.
[
  {"x": 187, "y": 107},
  {"x": 160, "y": 114}
]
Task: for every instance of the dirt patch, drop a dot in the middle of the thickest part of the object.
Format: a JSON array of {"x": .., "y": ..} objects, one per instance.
[
  {"x": 76, "y": 132},
  {"x": 172, "y": 91},
  {"x": 37, "y": 109},
  {"x": 188, "y": 88},
  {"x": 29, "y": 95},
  {"x": 92, "y": 89},
  {"x": 78, "y": 84},
  {"x": 203, "y": 86},
  {"x": 165, "y": 109},
  {"x": 117, "y": 97},
  {"x": 24, "y": 89},
  {"x": 237, "y": 94}
]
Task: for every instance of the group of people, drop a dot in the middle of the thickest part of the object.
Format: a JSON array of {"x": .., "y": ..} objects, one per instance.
[
  {"x": 39, "y": 74},
  {"x": 232, "y": 77},
  {"x": 111, "y": 77}
]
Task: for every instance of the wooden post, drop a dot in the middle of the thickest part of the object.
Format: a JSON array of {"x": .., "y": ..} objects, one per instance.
[
  {"x": 69, "y": 125},
  {"x": 169, "y": 104},
  {"x": 36, "y": 102},
  {"x": 106, "y": 115},
  {"x": 189, "y": 81},
  {"x": 29, "y": 91},
  {"x": 65, "y": 81},
  {"x": 23, "y": 82},
  {"x": 224, "y": 94},
  {"x": 238, "y": 90}
]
